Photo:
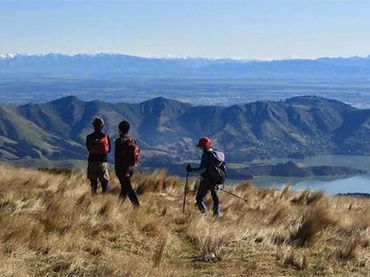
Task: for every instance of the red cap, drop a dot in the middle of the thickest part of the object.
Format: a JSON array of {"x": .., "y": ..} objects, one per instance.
[{"x": 204, "y": 142}]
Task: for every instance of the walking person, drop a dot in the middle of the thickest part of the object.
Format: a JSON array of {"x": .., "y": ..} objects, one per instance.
[
  {"x": 98, "y": 144},
  {"x": 127, "y": 157},
  {"x": 212, "y": 170}
]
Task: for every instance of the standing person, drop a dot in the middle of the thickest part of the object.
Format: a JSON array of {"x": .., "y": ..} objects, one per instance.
[
  {"x": 98, "y": 144},
  {"x": 127, "y": 156},
  {"x": 212, "y": 170}
]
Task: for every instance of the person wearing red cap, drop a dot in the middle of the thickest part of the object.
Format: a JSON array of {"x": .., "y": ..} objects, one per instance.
[{"x": 206, "y": 183}]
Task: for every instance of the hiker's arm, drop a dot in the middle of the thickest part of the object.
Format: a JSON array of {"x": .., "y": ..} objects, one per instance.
[
  {"x": 198, "y": 170},
  {"x": 201, "y": 169},
  {"x": 203, "y": 165},
  {"x": 87, "y": 143},
  {"x": 109, "y": 143},
  {"x": 116, "y": 154}
]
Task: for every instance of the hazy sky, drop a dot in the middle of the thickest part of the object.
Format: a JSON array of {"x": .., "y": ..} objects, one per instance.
[{"x": 239, "y": 29}]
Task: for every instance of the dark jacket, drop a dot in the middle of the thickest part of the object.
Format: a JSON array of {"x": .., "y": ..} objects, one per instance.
[
  {"x": 97, "y": 158},
  {"x": 124, "y": 155},
  {"x": 204, "y": 164}
]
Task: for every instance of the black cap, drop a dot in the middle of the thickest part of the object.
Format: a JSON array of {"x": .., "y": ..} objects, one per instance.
[
  {"x": 97, "y": 122},
  {"x": 124, "y": 127}
]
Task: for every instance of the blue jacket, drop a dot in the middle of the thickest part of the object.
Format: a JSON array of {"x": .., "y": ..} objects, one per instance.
[{"x": 204, "y": 163}]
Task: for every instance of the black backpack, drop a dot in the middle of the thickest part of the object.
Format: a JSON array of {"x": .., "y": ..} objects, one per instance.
[{"x": 217, "y": 167}]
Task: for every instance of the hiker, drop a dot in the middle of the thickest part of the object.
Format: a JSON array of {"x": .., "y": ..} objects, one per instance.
[
  {"x": 212, "y": 170},
  {"x": 98, "y": 144},
  {"x": 127, "y": 157}
]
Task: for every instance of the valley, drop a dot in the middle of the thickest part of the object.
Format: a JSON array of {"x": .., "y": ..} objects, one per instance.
[{"x": 24, "y": 89}]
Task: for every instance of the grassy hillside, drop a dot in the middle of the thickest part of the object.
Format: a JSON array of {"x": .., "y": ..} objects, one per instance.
[{"x": 52, "y": 226}]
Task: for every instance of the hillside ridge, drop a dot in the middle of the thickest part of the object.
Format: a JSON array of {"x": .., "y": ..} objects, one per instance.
[{"x": 295, "y": 127}]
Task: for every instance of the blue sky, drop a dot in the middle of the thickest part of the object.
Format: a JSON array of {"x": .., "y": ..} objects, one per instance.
[{"x": 239, "y": 29}]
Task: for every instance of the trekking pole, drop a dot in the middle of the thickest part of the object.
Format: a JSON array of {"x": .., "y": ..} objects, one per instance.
[
  {"x": 237, "y": 196},
  {"x": 186, "y": 185}
]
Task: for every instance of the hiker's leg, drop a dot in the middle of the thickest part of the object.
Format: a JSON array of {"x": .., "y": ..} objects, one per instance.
[
  {"x": 216, "y": 201},
  {"x": 105, "y": 186},
  {"x": 94, "y": 186},
  {"x": 131, "y": 193},
  {"x": 92, "y": 175},
  {"x": 202, "y": 192},
  {"x": 127, "y": 190},
  {"x": 104, "y": 177},
  {"x": 123, "y": 183}
]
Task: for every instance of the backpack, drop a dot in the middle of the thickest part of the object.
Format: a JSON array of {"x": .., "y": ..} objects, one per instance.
[
  {"x": 131, "y": 151},
  {"x": 217, "y": 167},
  {"x": 99, "y": 146}
]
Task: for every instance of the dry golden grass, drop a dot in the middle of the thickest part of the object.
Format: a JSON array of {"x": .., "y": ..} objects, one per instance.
[{"x": 52, "y": 226}]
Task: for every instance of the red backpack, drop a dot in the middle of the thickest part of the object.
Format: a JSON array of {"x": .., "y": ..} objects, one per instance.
[
  {"x": 131, "y": 151},
  {"x": 99, "y": 146}
]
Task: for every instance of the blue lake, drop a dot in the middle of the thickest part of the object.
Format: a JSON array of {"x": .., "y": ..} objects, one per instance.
[
  {"x": 330, "y": 185},
  {"x": 360, "y": 184}
]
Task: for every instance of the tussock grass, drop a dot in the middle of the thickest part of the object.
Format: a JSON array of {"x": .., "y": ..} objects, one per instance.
[
  {"x": 348, "y": 250},
  {"x": 293, "y": 260},
  {"x": 307, "y": 198},
  {"x": 314, "y": 222},
  {"x": 52, "y": 226}
]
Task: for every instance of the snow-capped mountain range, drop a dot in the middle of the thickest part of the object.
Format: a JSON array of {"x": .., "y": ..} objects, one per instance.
[{"x": 110, "y": 63}]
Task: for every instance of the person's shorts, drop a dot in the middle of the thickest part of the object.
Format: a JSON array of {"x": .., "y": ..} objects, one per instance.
[
  {"x": 127, "y": 172},
  {"x": 98, "y": 170}
]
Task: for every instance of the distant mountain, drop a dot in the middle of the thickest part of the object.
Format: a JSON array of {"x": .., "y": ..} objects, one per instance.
[
  {"x": 168, "y": 130},
  {"x": 115, "y": 64}
]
